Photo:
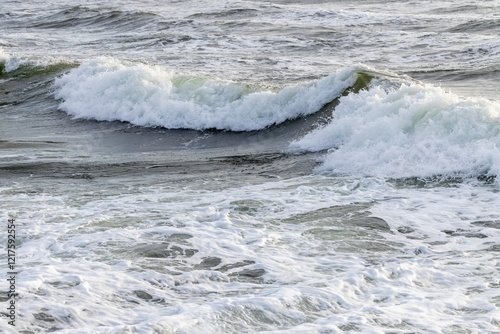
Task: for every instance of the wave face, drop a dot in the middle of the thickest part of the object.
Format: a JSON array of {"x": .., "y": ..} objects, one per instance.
[
  {"x": 413, "y": 130},
  {"x": 109, "y": 90}
]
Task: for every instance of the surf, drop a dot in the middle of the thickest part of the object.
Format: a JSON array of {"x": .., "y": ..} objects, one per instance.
[
  {"x": 368, "y": 122},
  {"x": 409, "y": 129},
  {"x": 107, "y": 89}
]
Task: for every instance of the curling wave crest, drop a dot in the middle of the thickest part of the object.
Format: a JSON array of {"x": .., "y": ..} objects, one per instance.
[
  {"x": 106, "y": 89},
  {"x": 409, "y": 130}
]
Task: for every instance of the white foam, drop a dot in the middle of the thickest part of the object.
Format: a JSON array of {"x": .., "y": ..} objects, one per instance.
[
  {"x": 107, "y": 90},
  {"x": 91, "y": 254},
  {"x": 413, "y": 130}
]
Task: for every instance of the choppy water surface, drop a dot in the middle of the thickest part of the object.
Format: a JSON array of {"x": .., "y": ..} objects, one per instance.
[{"x": 251, "y": 166}]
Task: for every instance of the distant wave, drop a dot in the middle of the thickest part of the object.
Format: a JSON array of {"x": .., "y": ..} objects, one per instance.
[
  {"x": 486, "y": 26},
  {"x": 411, "y": 130},
  {"x": 106, "y": 89},
  {"x": 80, "y": 16}
]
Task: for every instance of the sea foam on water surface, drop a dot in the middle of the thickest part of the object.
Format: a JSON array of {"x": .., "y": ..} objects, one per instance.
[
  {"x": 106, "y": 89},
  {"x": 111, "y": 263}
]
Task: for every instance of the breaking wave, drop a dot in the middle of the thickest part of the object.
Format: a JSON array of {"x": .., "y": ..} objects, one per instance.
[
  {"x": 106, "y": 89},
  {"x": 409, "y": 130}
]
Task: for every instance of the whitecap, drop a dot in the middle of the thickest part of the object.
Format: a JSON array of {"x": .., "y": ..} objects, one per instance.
[
  {"x": 106, "y": 89},
  {"x": 414, "y": 130}
]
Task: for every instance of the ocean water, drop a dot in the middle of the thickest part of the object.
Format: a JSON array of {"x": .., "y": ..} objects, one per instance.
[{"x": 251, "y": 166}]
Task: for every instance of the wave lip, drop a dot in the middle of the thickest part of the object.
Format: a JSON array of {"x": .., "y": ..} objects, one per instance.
[
  {"x": 106, "y": 89},
  {"x": 413, "y": 130}
]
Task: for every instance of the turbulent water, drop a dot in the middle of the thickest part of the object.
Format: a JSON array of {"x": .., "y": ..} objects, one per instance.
[{"x": 251, "y": 166}]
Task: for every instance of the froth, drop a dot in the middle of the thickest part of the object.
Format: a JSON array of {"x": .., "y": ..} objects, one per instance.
[
  {"x": 7, "y": 64},
  {"x": 107, "y": 90},
  {"x": 413, "y": 130}
]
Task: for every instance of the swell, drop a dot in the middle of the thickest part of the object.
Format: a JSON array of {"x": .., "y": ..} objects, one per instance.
[
  {"x": 484, "y": 26},
  {"x": 236, "y": 13},
  {"x": 454, "y": 75},
  {"x": 464, "y": 9},
  {"x": 84, "y": 17}
]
